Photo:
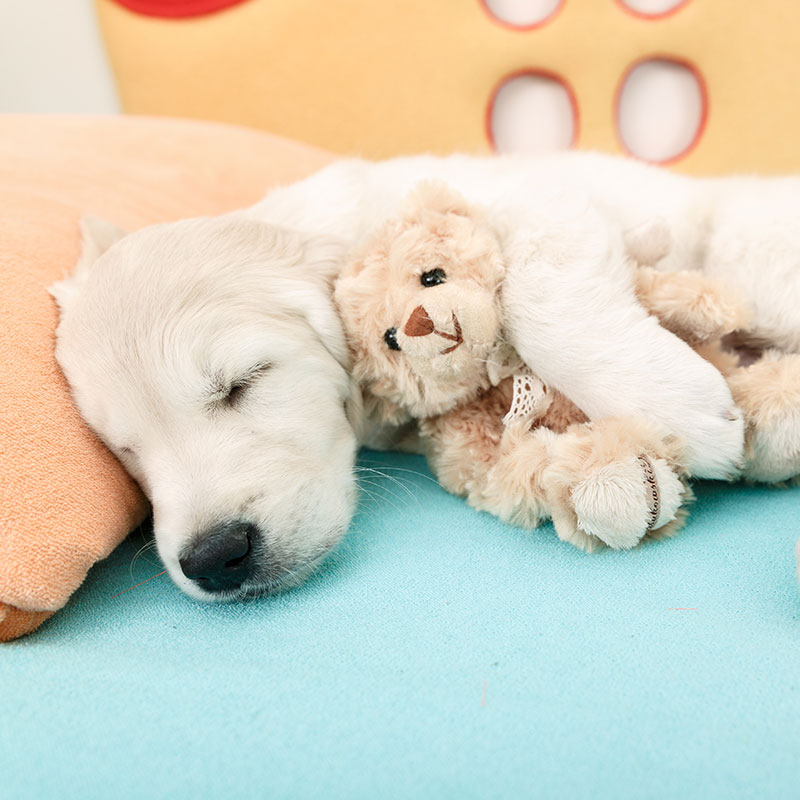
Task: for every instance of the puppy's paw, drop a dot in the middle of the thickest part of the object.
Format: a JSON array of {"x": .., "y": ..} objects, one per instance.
[
  {"x": 621, "y": 502},
  {"x": 714, "y": 442},
  {"x": 691, "y": 399}
]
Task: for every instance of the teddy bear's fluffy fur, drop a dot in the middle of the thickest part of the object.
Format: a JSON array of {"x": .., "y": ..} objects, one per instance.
[{"x": 436, "y": 354}]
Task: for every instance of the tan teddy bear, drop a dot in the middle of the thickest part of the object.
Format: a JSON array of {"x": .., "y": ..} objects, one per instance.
[{"x": 422, "y": 313}]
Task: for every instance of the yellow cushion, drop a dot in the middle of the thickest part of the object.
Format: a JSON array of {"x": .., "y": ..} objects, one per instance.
[{"x": 381, "y": 78}]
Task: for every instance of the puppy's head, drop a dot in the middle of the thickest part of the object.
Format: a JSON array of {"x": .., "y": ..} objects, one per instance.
[
  {"x": 207, "y": 355},
  {"x": 421, "y": 306}
]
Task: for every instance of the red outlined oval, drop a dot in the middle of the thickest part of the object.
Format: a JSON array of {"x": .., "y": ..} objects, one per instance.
[
  {"x": 540, "y": 19},
  {"x": 668, "y": 11},
  {"x": 546, "y": 78},
  {"x": 176, "y": 9},
  {"x": 702, "y": 118}
]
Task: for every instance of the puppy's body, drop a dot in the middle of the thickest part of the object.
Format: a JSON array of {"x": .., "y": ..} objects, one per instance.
[
  {"x": 572, "y": 310},
  {"x": 742, "y": 229}
]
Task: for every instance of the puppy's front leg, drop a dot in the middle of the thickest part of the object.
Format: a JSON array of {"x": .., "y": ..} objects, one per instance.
[{"x": 573, "y": 317}]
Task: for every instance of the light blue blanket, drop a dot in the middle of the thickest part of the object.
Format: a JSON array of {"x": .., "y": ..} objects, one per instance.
[{"x": 438, "y": 654}]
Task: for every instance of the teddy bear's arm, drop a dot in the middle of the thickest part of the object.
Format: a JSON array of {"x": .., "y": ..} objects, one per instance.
[
  {"x": 472, "y": 455},
  {"x": 582, "y": 475},
  {"x": 690, "y": 305}
]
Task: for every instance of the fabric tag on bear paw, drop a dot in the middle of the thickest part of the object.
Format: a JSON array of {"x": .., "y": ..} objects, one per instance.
[
  {"x": 528, "y": 401},
  {"x": 652, "y": 489}
]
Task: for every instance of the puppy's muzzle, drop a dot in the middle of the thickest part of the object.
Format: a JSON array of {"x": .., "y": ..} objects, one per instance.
[{"x": 220, "y": 559}]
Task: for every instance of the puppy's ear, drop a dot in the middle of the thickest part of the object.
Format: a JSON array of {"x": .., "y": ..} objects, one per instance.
[
  {"x": 322, "y": 259},
  {"x": 97, "y": 236},
  {"x": 324, "y": 256},
  {"x": 435, "y": 196}
]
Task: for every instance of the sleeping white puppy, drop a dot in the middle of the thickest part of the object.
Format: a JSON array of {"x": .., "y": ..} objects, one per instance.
[{"x": 207, "y": 356}]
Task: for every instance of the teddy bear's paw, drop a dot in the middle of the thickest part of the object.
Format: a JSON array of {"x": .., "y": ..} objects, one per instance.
[
  {"x": 773, "y": 450},
  {"x": 621, "y": 502},
  {"x": 674, "y": 526},
  {"x": 566, "y": 525},
  {"x": 768, "y": 393},
  {"x": 583, "y": 541},
  {"x": 712, "y": 314}
]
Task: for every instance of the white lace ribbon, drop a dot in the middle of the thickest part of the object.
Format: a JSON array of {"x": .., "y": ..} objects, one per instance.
[{"x": 529, "y": 399}]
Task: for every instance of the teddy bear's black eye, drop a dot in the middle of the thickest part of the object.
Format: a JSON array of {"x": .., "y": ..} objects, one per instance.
[
  {"x": 433, "y": 277},
  {"x": 390, "y": 337}
]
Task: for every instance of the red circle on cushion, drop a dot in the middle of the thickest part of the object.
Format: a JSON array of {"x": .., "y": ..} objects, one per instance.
[
  {"x": 652, "y": 15},
  {"x": 175, "y": 9},
  {"x": 535, "y": 73},
  {"x": 701, "y": 85},
  {"x": 516, "y": 26}
]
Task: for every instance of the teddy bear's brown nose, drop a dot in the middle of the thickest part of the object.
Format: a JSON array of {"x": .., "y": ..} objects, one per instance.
[{"x": 419, "y": 323}]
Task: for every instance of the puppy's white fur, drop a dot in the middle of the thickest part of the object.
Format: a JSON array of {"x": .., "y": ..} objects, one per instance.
[
  {"x": 154, "y": 331},
  {"x": 562, "y": 220}
]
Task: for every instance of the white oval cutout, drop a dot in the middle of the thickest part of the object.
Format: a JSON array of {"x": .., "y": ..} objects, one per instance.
[
  {"x": 661, "y": 109},
  {"x": 532, "y": 113},
  {"x": 652, "y": 8},
  {"x": 522, "y": 13}
]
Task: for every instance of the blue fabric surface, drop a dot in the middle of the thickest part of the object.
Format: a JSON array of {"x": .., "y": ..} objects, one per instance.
[{"x": 438, "y": 654}]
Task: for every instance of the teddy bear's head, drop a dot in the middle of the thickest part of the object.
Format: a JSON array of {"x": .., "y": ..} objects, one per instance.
[{"x": 421, "y": 306}]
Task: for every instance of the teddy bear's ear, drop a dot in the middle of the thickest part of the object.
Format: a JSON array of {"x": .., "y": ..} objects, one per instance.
[
  {"x": 373, "y": 252},
  {"x": 435, "y": 196}
]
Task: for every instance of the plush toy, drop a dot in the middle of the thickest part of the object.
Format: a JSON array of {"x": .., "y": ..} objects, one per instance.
[{"x": 422, "y": 313}]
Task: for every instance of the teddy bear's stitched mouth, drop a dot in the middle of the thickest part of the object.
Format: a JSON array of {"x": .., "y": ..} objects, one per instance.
[{"x": 453, "y": 337}]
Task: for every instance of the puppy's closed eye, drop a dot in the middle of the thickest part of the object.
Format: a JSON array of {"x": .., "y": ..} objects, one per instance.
[{"x": 235, "y": 391}]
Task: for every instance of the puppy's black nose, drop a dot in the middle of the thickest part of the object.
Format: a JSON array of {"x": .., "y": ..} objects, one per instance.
[{"x": 221, "y": 558}]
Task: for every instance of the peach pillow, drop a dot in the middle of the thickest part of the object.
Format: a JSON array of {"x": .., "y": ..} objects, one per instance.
[{"x": 65, "y": 502}]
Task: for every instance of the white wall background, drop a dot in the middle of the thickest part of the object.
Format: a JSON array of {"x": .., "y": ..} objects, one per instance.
[{"x": 52, "y": 58}]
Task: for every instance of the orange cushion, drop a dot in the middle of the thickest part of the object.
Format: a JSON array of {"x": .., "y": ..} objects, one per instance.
[{"x": 65, "y": 502}]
